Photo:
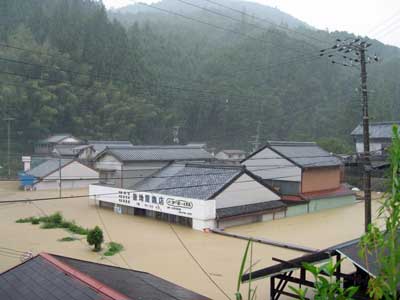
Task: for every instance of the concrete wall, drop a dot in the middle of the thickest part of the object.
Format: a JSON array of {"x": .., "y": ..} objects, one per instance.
[
  {"x": 245, "y": 190},
  {"x": 374, "y": 147},
  {"x": 319, "y": 204},
  {"x": 267, "y": 164},
  {"x": 320, "y": 179}
]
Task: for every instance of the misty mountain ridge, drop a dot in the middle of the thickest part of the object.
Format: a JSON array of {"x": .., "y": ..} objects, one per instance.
[{"x": 257, "y": 10}]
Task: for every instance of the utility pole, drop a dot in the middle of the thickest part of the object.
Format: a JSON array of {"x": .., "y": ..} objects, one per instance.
[
  {"x": 8, "y": 120},
  {"x": 175, "y": 134},
  {"x": 366, "y": 153},
  {"x": 353, "y": 52},
  {"x": 256, "y": 141}
]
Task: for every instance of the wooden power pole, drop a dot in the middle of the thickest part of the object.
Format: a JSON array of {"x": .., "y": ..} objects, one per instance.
[{"x": 353, "y": 52}]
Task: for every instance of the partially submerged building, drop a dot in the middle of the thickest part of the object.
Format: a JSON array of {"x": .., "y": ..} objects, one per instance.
[
  {"x": 197, "y": 195},
  {"x": 307, "y": 177},
  {"x": 54, "y": 277},
  {"x": 380, "y": 138},
  {"x": 125, "y": 166},
  {"x": 47, "y": 175},
  {"x": 62, "y": 141}
]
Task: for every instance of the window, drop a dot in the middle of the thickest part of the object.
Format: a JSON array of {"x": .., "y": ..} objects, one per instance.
[
  {"x": 134, "y": 197},
  {"x": 161, "y": 200},
  {"x": 140, "y": 197},
  {"x": 147, "y": 198},
  {"x": 154, "y": 199}
]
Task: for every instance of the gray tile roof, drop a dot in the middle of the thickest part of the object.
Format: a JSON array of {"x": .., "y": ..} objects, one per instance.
[
  {"x": 305, "y": 154},
  {"x": 233, "y": 151},
  {"x": 190, "y": 180},
  {"x": 101, "y": 145},
  {"x": 56, "y": 138},
  {"x": 159, "y": 153},
  {"x": 249, "y": 209},
  {"x": 38, "y": 279},
  {"x": 66, "y": 149},
  {"x": 134, "y": 284},
  {"x": 47, "y": 167},
  {"x": 377, "y": 129}
]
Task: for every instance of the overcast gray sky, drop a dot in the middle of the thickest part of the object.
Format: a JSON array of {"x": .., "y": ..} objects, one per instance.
[{"x": 379, "y": 19}]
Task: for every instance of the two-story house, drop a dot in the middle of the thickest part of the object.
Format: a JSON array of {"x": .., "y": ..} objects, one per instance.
[{"x": 307, "y": 177}]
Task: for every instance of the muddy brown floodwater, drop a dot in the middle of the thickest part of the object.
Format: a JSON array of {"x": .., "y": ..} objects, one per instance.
[{"x": 151, "y": 246}]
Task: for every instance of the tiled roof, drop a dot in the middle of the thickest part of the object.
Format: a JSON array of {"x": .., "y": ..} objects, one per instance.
[
  {"x": 343, "y": 190},
  {"x": 249, "y": 209},
  {"x": 233, "y": 151},
  {"x": 47, "y": 167},
  {"x": 305, "y": 154},
  {"x": 66, "y": 149},
  {"x": 158, "y": 153},
  {"x": 190, "y": 180},
  {"x": 377, "y": 129},
  {"x": 53, "y": 277},
  {"x": 58, "y": 138},
  {"x": 39, "y": 279},
  {"x": 101, "y": 145}
]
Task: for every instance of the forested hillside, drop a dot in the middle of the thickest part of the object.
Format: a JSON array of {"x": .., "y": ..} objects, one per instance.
[{"x": 67, "y": 66}]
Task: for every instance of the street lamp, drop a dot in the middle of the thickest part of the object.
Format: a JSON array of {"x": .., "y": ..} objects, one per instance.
[{"x": 58, "y": 155}]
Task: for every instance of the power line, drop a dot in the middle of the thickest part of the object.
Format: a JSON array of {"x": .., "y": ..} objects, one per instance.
[{"x": 268, "y": 21}]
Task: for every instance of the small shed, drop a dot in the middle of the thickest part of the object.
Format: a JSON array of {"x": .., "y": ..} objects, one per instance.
[{"x": 47, "y": 175}]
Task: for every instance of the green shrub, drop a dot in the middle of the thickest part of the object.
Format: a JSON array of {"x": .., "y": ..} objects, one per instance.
[
  {"x": 68, "y": 239},
  {"x": 48, "y": 226},
  {"x": 77, "y": 229},
  {"x": 35, "y": 221},
  {"x": 25, "y": 220},
  {"x": 113, "y": 248},
  {"x": 55, "y": 218},
  {"x": 95, "y": 237}
]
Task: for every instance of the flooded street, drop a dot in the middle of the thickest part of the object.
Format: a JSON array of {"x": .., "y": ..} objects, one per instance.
[{"x": 152, "y": 246}]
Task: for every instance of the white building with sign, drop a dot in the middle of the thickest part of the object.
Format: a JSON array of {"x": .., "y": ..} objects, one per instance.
[{"x": 199, "y": 196}]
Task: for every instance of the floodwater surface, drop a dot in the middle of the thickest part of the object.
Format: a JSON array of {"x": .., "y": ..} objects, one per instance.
[{"x": 152, "y": 246}]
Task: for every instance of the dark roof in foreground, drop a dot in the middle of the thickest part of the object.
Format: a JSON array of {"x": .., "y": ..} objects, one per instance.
[
  {"x": 47, "y": 167},
  {"x": 39, "y": 279},
  {"x": 134, "y": 284},
  {"x": 377, "y": 129},
  {"x": 305, "y": 154},
  {"x": 198, "y": 181},
  {"x": 158, "y": 153},
  {"x": 49, "y": 277},
  {"x": 229, "y": 212}
]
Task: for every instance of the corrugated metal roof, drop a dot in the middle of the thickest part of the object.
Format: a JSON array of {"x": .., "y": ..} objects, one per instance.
[
  {"x": 377, "y": 129},
  {"x": 305, "y": 154},
  {"x": 47, "y": 167},
  {"x": 159, "y": 153},
  {"x": 190, "y": 180}
]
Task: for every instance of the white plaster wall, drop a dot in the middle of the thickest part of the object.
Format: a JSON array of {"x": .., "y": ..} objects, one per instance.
[
  {"x": 373, "y": 147},
  {"x": 245, "y": 190},
  {"x": 108, "y": 162},
  {"x": 268, "y": 165},
  {"x": 73, "y": 175},
  {"x": 203, "y": 224}
]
